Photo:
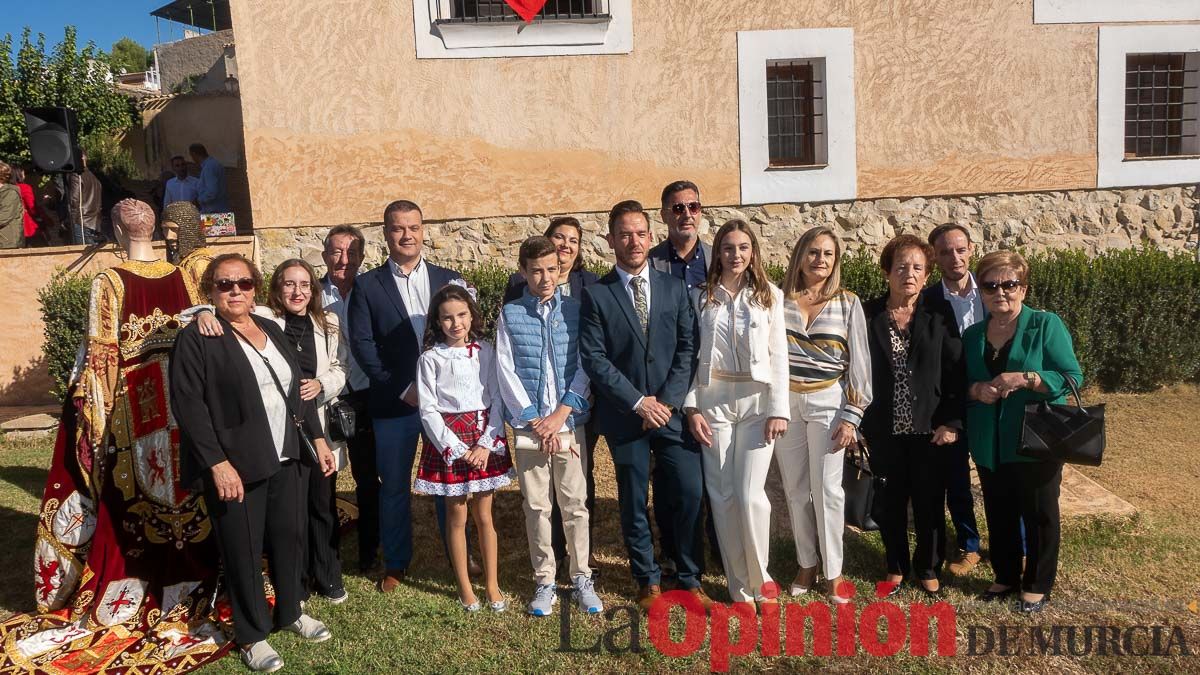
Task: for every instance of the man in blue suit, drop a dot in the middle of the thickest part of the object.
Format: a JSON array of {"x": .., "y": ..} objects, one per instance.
[
  {"x": 387, "y": 326},
  {"x": 637, "y": 344}
]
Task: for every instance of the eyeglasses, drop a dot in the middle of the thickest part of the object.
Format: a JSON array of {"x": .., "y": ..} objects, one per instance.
[
  {"x": 290, "y": 286},
  {"x": 994, "y": 286},
  {"x": 679, "y": 208},
  {"x": 226, "y": 285}
]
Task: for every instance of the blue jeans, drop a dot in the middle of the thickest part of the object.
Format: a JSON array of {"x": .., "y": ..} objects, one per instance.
[{"x": 395, "y": 450}]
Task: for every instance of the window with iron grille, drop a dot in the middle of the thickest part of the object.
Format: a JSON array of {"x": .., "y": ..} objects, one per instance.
[
  {"x": 1161, "y": 102},
  {"x": 488, "y": 11},
  {"x": 796, "y": 113}
]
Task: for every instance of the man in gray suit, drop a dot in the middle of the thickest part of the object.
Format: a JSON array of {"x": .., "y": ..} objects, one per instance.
[{"x": 682, "y": 254}]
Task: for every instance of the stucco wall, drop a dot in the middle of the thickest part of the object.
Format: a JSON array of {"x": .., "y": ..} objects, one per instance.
[
  {"x": 953, "y": 97},
  {"x": 24, "y": 379}
]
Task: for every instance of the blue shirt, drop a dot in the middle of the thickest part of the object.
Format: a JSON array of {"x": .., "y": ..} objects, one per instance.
[
  {"x": 213, "y": 192},
  {"x": 693, "y": 272}
]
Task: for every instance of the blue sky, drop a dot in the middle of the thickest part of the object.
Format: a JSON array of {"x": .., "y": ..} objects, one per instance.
[{"x": 101, "y": 21}]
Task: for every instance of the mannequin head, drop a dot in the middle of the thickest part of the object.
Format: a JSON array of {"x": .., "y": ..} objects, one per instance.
[
  {"x": 133, "y": 221},
  {"x": 181, "y": 229}
]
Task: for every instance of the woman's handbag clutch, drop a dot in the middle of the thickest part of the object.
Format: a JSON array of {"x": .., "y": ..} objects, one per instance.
[
  {"x": 862, "y": 488},
  {"x": 342, "y": 420},
  {"x": 1064, "y": 433}
]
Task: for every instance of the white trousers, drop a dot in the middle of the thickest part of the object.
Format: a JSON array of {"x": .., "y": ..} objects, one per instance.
[
  {"x": 561, "y": 476},
  {"x": 812, "y": 479},
  {"x": 735, "y": 476}
]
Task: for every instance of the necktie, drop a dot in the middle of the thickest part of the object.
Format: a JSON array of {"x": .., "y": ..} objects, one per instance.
[{"x": 639, "y": 302}]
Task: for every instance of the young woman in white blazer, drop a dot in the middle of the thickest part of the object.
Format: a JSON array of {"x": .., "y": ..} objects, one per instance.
[{"x": 738, "y": 403}]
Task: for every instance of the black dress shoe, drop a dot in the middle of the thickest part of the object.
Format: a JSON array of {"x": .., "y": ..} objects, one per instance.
[
  {"x": 1026, "y": 607},
  {"x": 993, "y": 596},
  {"x": 932, "y": 594}
]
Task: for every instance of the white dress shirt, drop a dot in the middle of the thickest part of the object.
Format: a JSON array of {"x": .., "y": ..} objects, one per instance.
[
  {"x": 333, "y": 300},
  {"x": 516, "y": 399},
  {"x": 273, "y": 401},
  {"x": 731, "y": 328},
  {"x": 186, "y": 189},
  {"x": 968, "y": 310},
  {"x": 414, "y": 291}
]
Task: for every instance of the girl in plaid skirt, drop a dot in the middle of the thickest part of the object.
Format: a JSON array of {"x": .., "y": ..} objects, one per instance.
[{"x": 464, "y": 450}]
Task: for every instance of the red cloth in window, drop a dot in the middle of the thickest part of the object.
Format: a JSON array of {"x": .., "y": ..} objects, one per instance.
[{"x": 526, "y": 9}]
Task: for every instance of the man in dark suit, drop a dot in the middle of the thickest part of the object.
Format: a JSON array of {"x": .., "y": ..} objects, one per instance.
[
  {"x": 387, "y": 324},
  {"x": 637, "y": 344},
  {"x": 958, "y": 300},
  {"x": 685, "y": 256}
]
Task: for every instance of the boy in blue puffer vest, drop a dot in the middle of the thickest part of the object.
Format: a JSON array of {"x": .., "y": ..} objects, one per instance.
[{"x": 546, "y": 402}]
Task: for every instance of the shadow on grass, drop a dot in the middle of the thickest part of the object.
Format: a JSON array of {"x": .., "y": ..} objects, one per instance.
[
  {"x": 16, "y": 558},
  {"x": 31, "y": 479}
]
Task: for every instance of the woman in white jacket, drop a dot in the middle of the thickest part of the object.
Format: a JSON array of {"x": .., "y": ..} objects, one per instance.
[{"x": 738, "y": 403}]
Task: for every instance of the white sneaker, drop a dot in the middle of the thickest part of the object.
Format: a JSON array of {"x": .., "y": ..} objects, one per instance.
[
  {"x": 260, "y": 657},
  {"x": 310, "y": 629}
]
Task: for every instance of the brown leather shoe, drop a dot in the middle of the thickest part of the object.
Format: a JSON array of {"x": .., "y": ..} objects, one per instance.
[
  {"x": 647, "y": 595},
  {"x": 964, "y": 564},
  {"x": 705, "y": 601},
  {"x": 391, "y": 580}
]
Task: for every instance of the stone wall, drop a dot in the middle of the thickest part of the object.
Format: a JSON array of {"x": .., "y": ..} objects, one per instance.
[
  {"x": 1091, "y": 220},
  {"x": 179, "y": 60}
]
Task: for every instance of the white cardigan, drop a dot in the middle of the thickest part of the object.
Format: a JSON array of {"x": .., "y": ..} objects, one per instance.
[
  {"x": 768, "y": 351},
  {"x": 331, "y": 369}
]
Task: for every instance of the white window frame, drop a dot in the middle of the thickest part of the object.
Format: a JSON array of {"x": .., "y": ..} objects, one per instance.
[
  {"x": 559, "y": 37},
  {"x": 1114, "y": 11},
  {"x": 837, "y": 179},
  {"x": 1113, "y": 169}
]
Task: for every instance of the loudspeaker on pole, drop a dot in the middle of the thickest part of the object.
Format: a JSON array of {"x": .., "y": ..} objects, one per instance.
[{"x": 54, "y": 139}]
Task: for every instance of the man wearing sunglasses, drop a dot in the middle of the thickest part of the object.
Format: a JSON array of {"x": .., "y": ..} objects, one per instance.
[
  {"x": 959, "y": 300},
  {"x": 684, "y": 256}
]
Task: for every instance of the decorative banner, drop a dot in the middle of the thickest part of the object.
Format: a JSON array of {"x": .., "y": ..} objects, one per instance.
[{"x": 527, "y": 9}]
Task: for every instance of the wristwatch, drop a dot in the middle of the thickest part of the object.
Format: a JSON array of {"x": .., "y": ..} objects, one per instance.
[{"x": 1031, "y": 378}]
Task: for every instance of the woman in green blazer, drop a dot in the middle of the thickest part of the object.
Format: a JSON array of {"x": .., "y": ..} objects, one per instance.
[{"x": 1019, "y": 355}]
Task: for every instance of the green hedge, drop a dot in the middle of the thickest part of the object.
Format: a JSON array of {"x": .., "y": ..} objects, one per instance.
[{"x": 1134, "y": 315}]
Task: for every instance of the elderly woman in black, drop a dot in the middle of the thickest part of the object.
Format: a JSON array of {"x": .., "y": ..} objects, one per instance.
[
  {"x": 917, "y": 373},
  {"x": 240, "y": 440}
]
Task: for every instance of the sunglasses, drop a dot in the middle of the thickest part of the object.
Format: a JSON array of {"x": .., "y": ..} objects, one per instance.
[
  {"x": 993, "y": 286},
  {"x": 226, "y": 285},
  {"x": 679, "y": 208}
]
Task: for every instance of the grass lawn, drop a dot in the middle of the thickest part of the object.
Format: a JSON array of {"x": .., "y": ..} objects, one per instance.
[{"x": 1118, "y": 574}]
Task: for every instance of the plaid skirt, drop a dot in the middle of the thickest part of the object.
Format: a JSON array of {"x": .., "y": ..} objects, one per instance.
[{"x": 435, "y": 477}]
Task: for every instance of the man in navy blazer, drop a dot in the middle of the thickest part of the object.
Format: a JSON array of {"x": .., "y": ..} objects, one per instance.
[
  {"x": 387, "y": 323},
  {"x": 637, "y": 344}
]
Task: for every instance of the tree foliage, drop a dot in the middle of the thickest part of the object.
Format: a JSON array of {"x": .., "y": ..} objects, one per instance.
[
  {"x": 127, "y": 56},
  {"x": 65, "y": 76}
]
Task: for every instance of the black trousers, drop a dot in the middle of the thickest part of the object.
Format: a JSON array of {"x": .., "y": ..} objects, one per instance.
[
  {"x": 270, "y": 519},
  {"x": 323, "y": 571},
  {"x": 913, "y": 468},
  {"x": 1025, "y": 493},
  {"x": 361, "y": 449},
  {"x": 558, "y": 538}
]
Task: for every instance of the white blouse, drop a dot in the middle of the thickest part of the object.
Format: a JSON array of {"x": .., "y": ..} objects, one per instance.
[
  {"x": 731, "y": 331},
  {"x": 273, "y": 401},
  {"x": 458, "y": 380}
]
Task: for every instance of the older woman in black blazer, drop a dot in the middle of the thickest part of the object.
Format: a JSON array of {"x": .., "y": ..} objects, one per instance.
[
  {"x": 917, "y": 374},
  {"x": 239, "y": 440}
]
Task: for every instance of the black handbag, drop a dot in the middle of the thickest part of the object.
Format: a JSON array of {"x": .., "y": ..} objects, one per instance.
[
  {"x": 1055, "y": 432},
  {"x": 306, "y": 441},
  {"x": 341, "y": 420},
  {"x": 863, "y": 488}
]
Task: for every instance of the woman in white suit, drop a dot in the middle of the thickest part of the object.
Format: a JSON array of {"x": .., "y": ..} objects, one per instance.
[
  {"x": 294, "y": 302},
  {"x": 738, "y": 403}
]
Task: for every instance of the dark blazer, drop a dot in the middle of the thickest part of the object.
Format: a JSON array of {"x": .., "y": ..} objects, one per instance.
[
  {"x": 624, "y": 364},
  {"x": 579, "y": 279},
  {"x": 660, "y": 256},
  {"x": 382, "y": 339},
  {"x": 935, "y": 301},
  {"x": 935, "y": 366},
  {"x": 216, "y": 400}
]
